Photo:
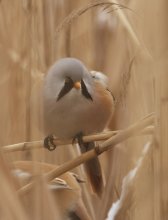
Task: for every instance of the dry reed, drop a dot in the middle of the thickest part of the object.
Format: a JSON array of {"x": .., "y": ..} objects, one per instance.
[
  {"x": 111, "y": 142},
  {"x": 97, "y": 137},
  {"x": 132, "y": 50}
]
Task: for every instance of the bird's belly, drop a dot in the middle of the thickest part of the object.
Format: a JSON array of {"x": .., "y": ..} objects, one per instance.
[
  {"x": 69, "y": 122},
  {"x": 66, "y": 120}
]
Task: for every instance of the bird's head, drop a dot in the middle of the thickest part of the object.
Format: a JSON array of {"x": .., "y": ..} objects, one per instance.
[{"x": 67, "y": 74}]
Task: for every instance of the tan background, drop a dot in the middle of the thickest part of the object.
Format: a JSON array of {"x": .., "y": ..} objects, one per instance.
[{"x": 108, "y": 42}]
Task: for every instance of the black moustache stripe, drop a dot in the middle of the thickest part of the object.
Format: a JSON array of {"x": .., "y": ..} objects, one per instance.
[
  {"x": 69, "y": 85},
  {"x": 66, "y": 88},
  {"x": 85, "y": 92}
]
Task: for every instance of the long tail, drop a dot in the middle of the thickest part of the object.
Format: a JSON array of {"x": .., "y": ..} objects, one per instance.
[{"x": 93, "y": 169}]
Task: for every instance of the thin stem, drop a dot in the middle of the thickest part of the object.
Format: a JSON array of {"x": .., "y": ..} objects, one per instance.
[{"x": 108, "y": 144}]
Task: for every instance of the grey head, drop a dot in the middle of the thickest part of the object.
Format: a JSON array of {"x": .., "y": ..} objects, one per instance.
[{"x": 66, "y": 74}]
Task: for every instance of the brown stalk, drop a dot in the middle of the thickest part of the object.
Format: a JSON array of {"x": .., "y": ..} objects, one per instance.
[
  {"x": 106, "y": 145},
  {"x": 97, "y": 137}
]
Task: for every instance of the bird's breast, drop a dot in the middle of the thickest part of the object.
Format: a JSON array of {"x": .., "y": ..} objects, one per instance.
[{"x": 74, "y": 113}]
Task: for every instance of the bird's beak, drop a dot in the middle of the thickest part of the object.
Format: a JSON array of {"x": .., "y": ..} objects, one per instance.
[{"x": 77, "y": 85}]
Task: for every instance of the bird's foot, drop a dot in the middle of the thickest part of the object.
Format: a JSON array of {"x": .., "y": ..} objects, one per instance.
[
  {"x": 49, "y": 143},
  {"x": 83, "y": 145},
  {"x": 78, "y": 138}
]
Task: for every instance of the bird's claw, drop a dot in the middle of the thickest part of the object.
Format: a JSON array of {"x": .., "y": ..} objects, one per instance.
[
  {"x": 82, "y": 144},
  {"x": 49, "y": 143},
  {"x": 78, "y": 138}
]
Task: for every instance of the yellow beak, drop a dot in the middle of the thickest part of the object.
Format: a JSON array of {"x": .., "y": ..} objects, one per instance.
[{"x": 77, "y": 85}]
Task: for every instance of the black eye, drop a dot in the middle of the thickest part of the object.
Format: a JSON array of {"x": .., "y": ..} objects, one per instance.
[{"x": 68, "y": 85}]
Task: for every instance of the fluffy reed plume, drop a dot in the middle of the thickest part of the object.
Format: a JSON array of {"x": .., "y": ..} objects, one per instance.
[
  {"x": 75, "y": 14},
  {"x": 131, "y": 48}
]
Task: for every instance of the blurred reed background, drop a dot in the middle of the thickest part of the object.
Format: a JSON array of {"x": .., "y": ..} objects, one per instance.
[{"x": 131, "y": 47}]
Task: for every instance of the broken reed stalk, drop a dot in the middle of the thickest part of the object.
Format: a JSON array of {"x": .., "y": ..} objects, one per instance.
[
  {"x": 106, "y": 145},
  {"x": 97, "y": 137}
]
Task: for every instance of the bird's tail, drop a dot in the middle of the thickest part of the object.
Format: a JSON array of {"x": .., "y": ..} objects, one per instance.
[{"x": 93, "y": 169}]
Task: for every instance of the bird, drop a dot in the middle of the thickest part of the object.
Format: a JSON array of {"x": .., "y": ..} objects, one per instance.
[
  {"x": 77, "y": 102},
  {"x": 65, "y": 190}
]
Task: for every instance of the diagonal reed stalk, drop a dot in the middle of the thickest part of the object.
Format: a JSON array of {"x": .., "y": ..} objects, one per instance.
[{"x": 106, "y": 145}]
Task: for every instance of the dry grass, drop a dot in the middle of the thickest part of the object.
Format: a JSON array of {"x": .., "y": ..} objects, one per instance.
[{"x": 128, "y": 44}]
